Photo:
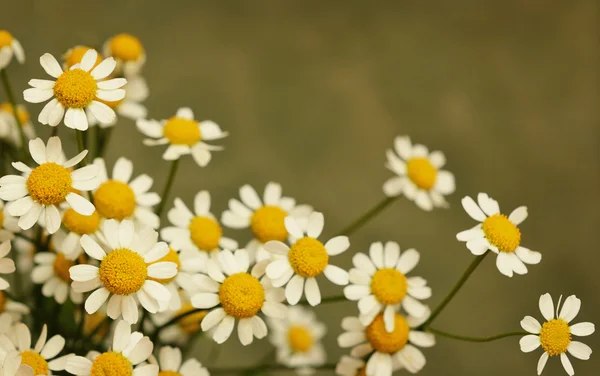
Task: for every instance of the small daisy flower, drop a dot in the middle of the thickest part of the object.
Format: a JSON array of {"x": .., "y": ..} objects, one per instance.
[
  {"x": 169, "y": 360},
  {"x": 265, "y": 217},
  {"x": 123, "y": 359},
  {"x": 420, "y": 177},
  {"x": 555, "y": 335},
  {"x": 10, "y": 47},
  {"x": 184, "y": 136},
  {"x": 11, "y": 308},
  {"x": 349, "y": 366},
  {"x": 39, "y": 192},
  {"x": 11, "y": 364},
  {"x": 10, "y": 127},
  {"x": 75, "y": 55},
  {"x": 8, "y": 224},
  {"x": 80, "y": 87},
  {"x": 380, "y": 284},
  {"x": 305, "y": 259},
  {"x": 75, "y": 225},
  {"x": 198, "y": 232},
  {"x": 241, "y": 296},
  {"x": 498, "y": 233},
  {"x": 386, "y": 350},
  {"x": 131, "y": 107},
  {"x": 126, "y": 271},
  {"x": 179, "y": 333},
  {"x": 7, "y": 266},
  {"x": 297, "y": 339},
  {"x": 128, "y": 52},
  {"x": 122, "y": 198}
]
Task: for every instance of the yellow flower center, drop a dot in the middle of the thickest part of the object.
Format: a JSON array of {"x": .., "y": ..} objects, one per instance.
[
  {"x": 389, "y": 286},
  {"x": 301, "y": 340},
  {"x": 267, "y": 224},
  {"x": 75, "y": 55},
  {"x": 182, "y": 131},
  {"x": 383, "y": 341},
  {"x": 169, "y": 373},
  {"x": 308, "y": 257},
  {"x": 2, "y": 301},
  {"x": 421, "y": 172},
  {"x": 75, "y": 88},
  {"x": 49, "y": 184},
  {"x": 61, "y": 267},
  {"x": 241, "y": 295},
  {"x": 21, "y": 112},
  {"x": 115, "y": 200},
  {"x": 123, "y": 271},
  {"x": 35, "y": 361},
  {"x": 126, "y": 47},
  {"x": 171, "y": 256},
  {"x": 502, "y": 233},
  {"x": 81, "y": 224},
  {"x": 111, "y": 364},
  {"x": 555, "y": 336},
  {"x": 6, "y": 38},
  {"x": 205, "y": 233},
  {"x": 190, "y": 323}
]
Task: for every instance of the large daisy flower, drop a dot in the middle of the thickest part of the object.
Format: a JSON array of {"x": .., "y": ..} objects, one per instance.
[
  {"x": 380, "y": 284},
  {"x": 123, "y": 198},
  {"x": 11, "y": 364},
  {"x": 127, "y": 270},
  {"x": 420, "y": 177},
  {"x": 80, "y": 87},
  {"x": 7, "y": 266},
  {"x": 8, "y": 224},
  {"x": 386, "y": 350},
  {"x": 241, "y": 296},
  {"x": 123, "y": 359},
  {"x": 197, "y": 231},
  {"x": 9, "y": 128},
  {"x": 498, "y": 233},
  {"x": 265, "y": 217},
  {"x": 169, "y": 361},
  {"x": 305, "y": 259},
  {"x": 10, "y": 47},
  {"x": 184, "y": 136},
  {"x": 40, "y": 190},
  {"x": 554, "y": 336},
  {"x": 128, "y": 51}
]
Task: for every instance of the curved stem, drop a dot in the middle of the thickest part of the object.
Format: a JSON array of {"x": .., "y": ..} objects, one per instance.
[
  {"x": 363, "y": 219},
  {"x": 168, "y": 185},
  {"x": 476, "y": 339},
  {"x": 11, "y": 100}
]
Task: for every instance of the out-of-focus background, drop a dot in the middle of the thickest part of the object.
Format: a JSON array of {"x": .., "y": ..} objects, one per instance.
[{"x": 314, "y": 92}]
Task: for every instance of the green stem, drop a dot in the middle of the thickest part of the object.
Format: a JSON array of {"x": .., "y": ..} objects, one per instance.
[
  {"x": 102, "y": 138},
  {"x": 329, "y": 299},
  {"x": 362, "y": 220},
  {"x": 174, "y": 320},
  {"x": 81, "y": 146},
  {"x": 476, "y": 339},
  {"x": 454, "y": 290},
  {"x": 25, "y": 237},
  {"x": 13, "y": 103},
  {"x": 168, "y": 185}
]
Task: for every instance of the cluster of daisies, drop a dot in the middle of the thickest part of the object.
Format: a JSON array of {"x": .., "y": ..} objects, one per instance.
[{"x": 90, "y": 234}]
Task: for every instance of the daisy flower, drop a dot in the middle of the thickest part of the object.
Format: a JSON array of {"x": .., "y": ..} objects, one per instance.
[
  {"x": 184, "y": 136},
  {"x": 123, "y": 359},
  {"x": 127, "y": 51},
  {"x": 349, "y": 366},
  {"x": 385, "y": 350},
  {"x": 555, "y": 335},
  {"x": 179, "y": 333},
  {"x": 198, "y": 232},
  {"x": 380, "y": 284},
  {"x": 169, "y": 360},
  {"x": 265, "y": 217},
  {"x": 75, "y": 55},
  {"x": 7, "y": 266},
  {"x": 297, "y": 339},
  {"x": 11, "y": 364},
  {"x": 8, "y": 224},
  {"x": 240, "y": 295},
  {"x": 9, "y": 126},
  {"x": 10, "y": 47},
  {"x": 124, "y": 271},
  {"x": 40, "y": 191},
  {"x": 11, "y": 308},
  {"x": 131, "y": 107},
  {"x": 305, "y": 259},
  {"x": 75, "y": 225},
  {"x": 498, "y": 233},
  {"x": 420, "y": 177},
  {"x": 80, "y": 87},
  {"x": 122, "y": 198}
]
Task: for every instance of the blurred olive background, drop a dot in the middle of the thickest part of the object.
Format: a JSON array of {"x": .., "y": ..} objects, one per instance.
[{"x": 314, "y": 92}]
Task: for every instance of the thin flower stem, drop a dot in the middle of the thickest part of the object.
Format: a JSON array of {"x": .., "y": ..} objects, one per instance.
[
  {"x": 25, "y": 237},
  {"x": 102, "y": 139},
  {"x": 329, "y": 299},
  {"x": 174, "y": 320},
  {"x": 11, "y": 100},
  {"x": 168, "y": 185},
  {"x": 363, "y": 219},
  {"x": 476, "y": 339},
  {"x": 81, "y": 146}
]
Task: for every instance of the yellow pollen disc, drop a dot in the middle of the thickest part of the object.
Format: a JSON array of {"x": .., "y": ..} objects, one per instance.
[
  {"x": 241, "y": 295},
  {"x": 6, "y": 38},
  {"x": 502, "y": 233},
  {"x": 308, "y": 257},
  {"x": 21, "y": 112},
  {"x": 75, "y": 54},
  {"x": 81, "y": 224},
  {"x": 205, "y": 233},
  {"x": 171, "y": 256},
  {"x": 182, "y": 131},
  {"x": 123, "y": 271},
  {"x": 2, "y": 301},
  {"x": 111, "y": 364},
  {"x": 267, "y": 224},
  {"x": 555, "y": 336},
  {"x": 383, "y": 341},
  {"x": 35, "y": 361},
  {"x": 421, "y": 172},
  {"x": 126, "y": 47},
  {"x": 115, "y": 200},
  {"x": 190, "y": 323},
  {"x": 301, "y": 340},
  {"x": 75, "y": 88},
  {"x": 49, "y": 184},
  {"x": 61, "y": 267},
  {"x": 169, "y": 373},
  {"x": 389, "y": 286}
]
